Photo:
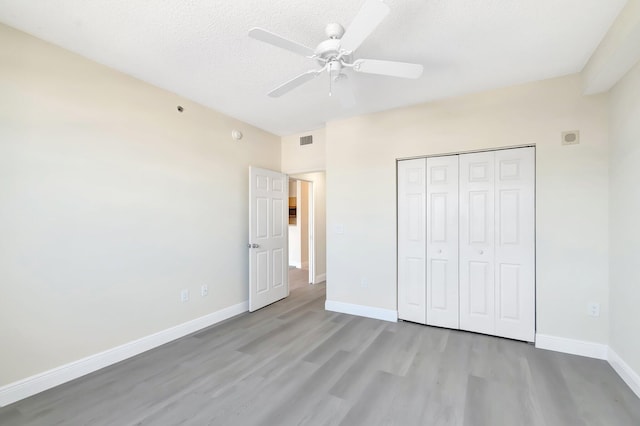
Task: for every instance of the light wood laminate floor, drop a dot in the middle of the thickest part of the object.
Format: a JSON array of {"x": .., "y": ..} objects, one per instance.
[
  {"x": 294, "y": 363},
  {"x": 298, "y": 278}
]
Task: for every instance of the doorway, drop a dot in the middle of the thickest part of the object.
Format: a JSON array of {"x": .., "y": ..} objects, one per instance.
[{"x": 301, "y": 233}]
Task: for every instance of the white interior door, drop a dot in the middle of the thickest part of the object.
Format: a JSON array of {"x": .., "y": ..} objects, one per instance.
[
  {"x": 515, "y": 243},
  {"x": 411, "y": 240},
  {"x": 268, "y": 221},
  {"x": 442, "y": 241},
  {"x": 477, "y": 251}
]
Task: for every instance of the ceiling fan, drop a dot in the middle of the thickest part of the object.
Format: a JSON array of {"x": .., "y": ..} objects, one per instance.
[{"x": 335, "y": 54}]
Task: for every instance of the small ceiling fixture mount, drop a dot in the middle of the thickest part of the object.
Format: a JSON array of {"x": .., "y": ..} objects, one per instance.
[{"x": 236, "y": 134}]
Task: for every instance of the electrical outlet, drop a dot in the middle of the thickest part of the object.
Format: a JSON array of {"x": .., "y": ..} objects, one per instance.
[
  {"x": 184, "y": 295},
  {"x": 204, "y": 290},
  {"x": 364, "y": 283},
  {"x": 594, "y": 309}
]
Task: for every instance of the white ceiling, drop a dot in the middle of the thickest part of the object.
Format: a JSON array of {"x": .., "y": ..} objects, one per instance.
[{"x": 200, "y": 49}]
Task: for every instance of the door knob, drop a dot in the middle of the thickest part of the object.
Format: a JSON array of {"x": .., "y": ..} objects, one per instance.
[
  {"x": 481, "y": 251},
  {"x": 439, "y": 251},
  {"x": 255, "y": 245}
]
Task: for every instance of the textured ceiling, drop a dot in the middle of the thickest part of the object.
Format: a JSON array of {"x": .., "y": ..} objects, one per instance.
[{"x": 200, "y": 49}]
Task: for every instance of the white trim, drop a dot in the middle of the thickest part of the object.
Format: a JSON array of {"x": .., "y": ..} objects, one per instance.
[
  {"x": 40, "y": 382},
  {"x": 319, "y": 278},
  {"x": 361, "y": 310},
  {"x": 572, "y": 346},
  {"x": 304, "y": 172},
  {"x": 630, "y": 377}
]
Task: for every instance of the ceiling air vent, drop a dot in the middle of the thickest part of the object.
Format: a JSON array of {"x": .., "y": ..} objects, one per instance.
[{"x": 306, "y": 140}]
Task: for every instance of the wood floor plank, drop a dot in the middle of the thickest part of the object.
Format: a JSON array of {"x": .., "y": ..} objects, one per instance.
[
  {"x": 294, "y": 363},
  {"x": 373, "y": 402},
  {"x": 316, "y": 387},
  {"x": 610, "y": 401},
  {"x": 491, "y": 403},
  {"x": 558, "y": 404},
  {"x": 328, "y": 411},
  {"x": 11, "y": 416},
  {"x": 356, "y": 334}
]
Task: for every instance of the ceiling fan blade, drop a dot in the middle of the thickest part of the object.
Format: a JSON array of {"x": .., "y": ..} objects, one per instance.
[
  {"x": 293, "y": 83},
  {"x": 367, "y": 19},
  {"x": 344, "y": 90},
  {"x": 281, "y": 42},
  {"x": 391, "y": 68}
]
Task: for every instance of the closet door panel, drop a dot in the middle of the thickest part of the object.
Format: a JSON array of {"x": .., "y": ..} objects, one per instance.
[
  {"x": 477, "y": 231},
  {"x": 442, "y": 241},
  {"x": 515, "y": 243},
  {"x": 412, "y": 240}
]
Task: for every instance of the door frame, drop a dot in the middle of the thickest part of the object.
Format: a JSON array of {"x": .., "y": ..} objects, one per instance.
[{"x": 311, "y": 251}]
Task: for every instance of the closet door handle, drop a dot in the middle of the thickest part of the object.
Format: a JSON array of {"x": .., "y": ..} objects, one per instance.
[{"x": 481, "y": 251}]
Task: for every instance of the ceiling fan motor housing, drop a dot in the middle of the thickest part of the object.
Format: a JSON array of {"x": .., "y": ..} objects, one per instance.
[{"x": 329, "y": 50}]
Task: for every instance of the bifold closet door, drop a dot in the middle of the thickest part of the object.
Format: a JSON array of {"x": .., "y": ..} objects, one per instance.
[
  {"x": 497, "y": 278},
  {"x": 515, "y": 243},
  {"x": 442, "y": 241},
  {"x": 411, "y": 240},
  {"x": 477, "y": 302}
]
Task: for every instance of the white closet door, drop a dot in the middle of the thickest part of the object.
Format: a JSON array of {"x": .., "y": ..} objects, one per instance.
[
  {"x": 411, "y": 240},
  {"x": 477, "y": 257},
  {"x": 442, "y": 241},
  {"x": 515, "y": 243}
]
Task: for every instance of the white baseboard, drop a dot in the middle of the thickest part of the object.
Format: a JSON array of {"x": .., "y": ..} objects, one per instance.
[
  {"x": 320, "y": 278},
  {"x": 592, "y": 350},
  {"x": 361, "y": 310},
  {"x": 40, "y": 382},
  {"x": 630, "y": 377},
  {"x": 571, "y": 346}
]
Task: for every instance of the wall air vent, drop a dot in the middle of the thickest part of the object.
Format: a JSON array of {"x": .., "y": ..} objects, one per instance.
[
  {"x": 571, "y": 137},
  {"x": 306, "y": 140}
]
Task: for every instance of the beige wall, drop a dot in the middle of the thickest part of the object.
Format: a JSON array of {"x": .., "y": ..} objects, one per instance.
[
  {"x": 624, "y": 212},
  {"x": 572, "y": 193},
  {"x": 111, "y": 203},
  {"x": 305, "y": 158}
]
